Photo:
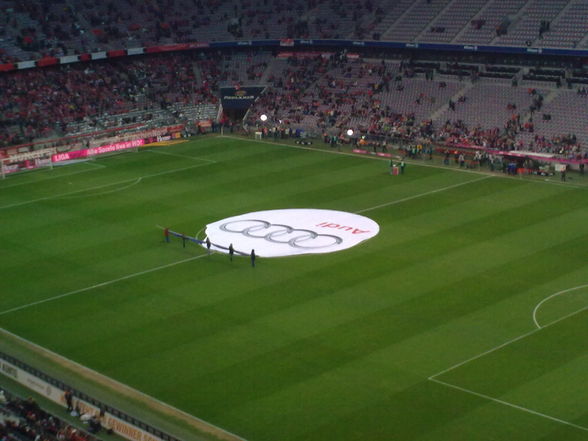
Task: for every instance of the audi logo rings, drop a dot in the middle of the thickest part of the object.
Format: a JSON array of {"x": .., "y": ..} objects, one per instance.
[{"x": 280, "y": 233}]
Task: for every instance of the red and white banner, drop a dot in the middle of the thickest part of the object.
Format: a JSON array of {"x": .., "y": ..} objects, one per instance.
[
  {"x": 79, "y": 154},
  {"x": 367, "y": 152}
]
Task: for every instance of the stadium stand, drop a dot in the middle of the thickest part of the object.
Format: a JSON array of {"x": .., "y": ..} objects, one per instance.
[
  {"x": 84, "y": 97},
  {"x": 445, "y": 27},
  {"x": 403, "y": 95},
  {"x": 33, "y": 29},
  {"x": 415, "y": 20},
  {"x": 568, "y": 29},
  {"x": 532, "y": 22},
  {"x": 321, "y": 90},
  {"x": 313, "y": 94},
  {"x": 368, "y": 96},
  {"x": 24, "y": 420},
  {"x": 490, "y": 21}
]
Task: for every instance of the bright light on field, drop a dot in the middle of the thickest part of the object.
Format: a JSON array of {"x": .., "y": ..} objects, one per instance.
[
  {"x": 263, "y": 117},
  {"x": 349, "y": 132}
]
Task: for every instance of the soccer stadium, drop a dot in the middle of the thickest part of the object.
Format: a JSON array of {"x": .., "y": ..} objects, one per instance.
[{"x": 303, "y": 220}]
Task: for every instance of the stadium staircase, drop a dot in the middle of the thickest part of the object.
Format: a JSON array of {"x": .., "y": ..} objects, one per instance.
[
  {"x": 399, "y": 19},
  {"x": 492, "y": 14},
  {"x": 417, "y": 20},
  {"x": 547, "y": 99},
  {"x": 478, "y": 16},
  {"x": 451, "y": 19},
  {"x": 393, "y": 14},
  {"x": 9, "y": 43},
  {"x": 568, "y": 28},
  {"x": 197, "y": 72},
  {"x": 514, "y": 19},
  {"x": 581, "y": 8},
  {"x": 274, "y": 65},
  {"x": 583, "y": 42},
  {"x": 92, "y": 40},
  {"x": 435, "y": 116},
  {"x": 524, "y": 28}
]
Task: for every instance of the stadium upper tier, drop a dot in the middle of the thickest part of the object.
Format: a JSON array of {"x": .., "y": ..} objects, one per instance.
[{"x": 31, "y": 29}]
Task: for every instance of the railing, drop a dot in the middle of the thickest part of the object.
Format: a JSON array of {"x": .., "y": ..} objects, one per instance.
[
  {"x": 78, "y": 394},
  {"x": 12, "y": 397}
]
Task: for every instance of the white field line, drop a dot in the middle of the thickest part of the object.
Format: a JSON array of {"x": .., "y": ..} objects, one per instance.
[
  {"x": 420, "y": 164},
  {"x": 549, "y": 298},
  {"x": 514, "y": 406},
  {"x": 80, "y": 196},
  {"x": 420, "y": 195},
  {"x": 50, "y": 177},
  {"x": 121, "y": 386},
  {"x": 178, "y": 155},
  {"x": 95, "y": 163},
  {"x": 100, "y": 285},
  {"x": 482, "y": 354},
  {"x": 520, "y": 337},
  {"x": 57, "y": 196},
  {"x": 496, "y": 400}
]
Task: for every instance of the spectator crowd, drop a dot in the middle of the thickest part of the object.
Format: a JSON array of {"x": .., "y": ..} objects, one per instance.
[
  {"x": 316, "y": 92},
  {"x": 24, "y": 420}
]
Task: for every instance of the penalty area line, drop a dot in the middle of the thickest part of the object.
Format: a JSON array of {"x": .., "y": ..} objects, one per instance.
[
  {"x": 179, "y": 155},
  {"x": 434, "y": 378},
  {"x": 82, "y": 196},
  {"x": 40, "y": 181},
  {"x": 506, "y": 403},
  {"x": 97, "y": 187},
  {"x": 506, "y": 343},
  {"x": 100, "y": 285}
]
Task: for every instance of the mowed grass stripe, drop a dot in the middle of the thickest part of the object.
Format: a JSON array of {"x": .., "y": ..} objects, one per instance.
[
  {"x": 419, "y": 252},
  {"x": 353, "y": 338},
  {"x": 293, "y": 314},
  {"x": 542, "y": 372},
  {"x": 98, "y": 223},
  {"x": 551, "y": 391},
  {"x": 125, "y": 166},
  {"x": 541, "y": 353},
  {"x": 94, "y": 220},
  {"x": 108, "y": 180}
]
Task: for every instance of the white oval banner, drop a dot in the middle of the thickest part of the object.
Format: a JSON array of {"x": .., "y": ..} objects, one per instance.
[{"x": 275, "y": 233}]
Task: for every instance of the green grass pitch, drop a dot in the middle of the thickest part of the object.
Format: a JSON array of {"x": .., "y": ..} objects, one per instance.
[{"x": 464, "y": 319}]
